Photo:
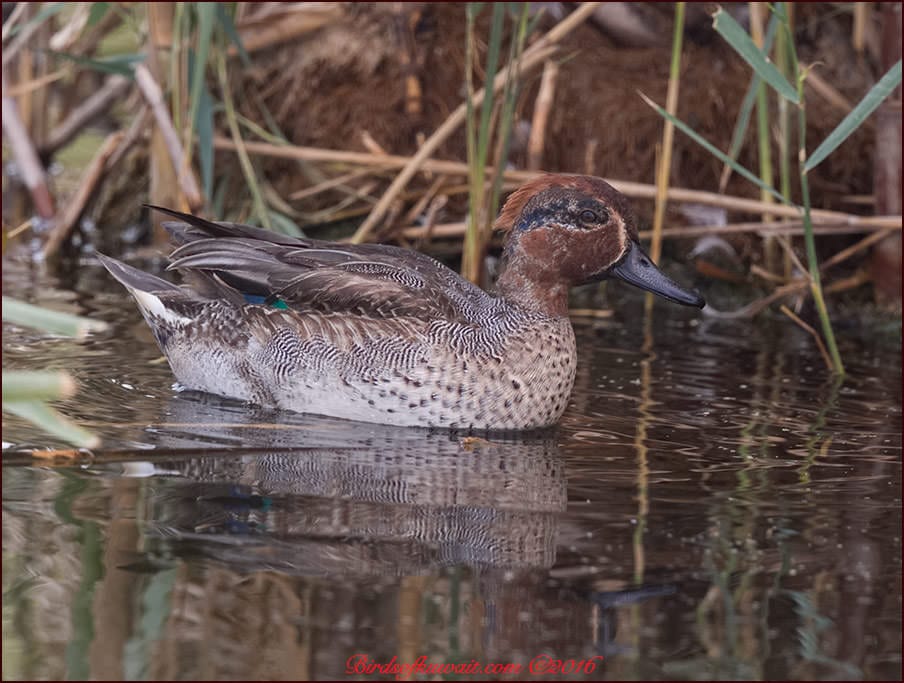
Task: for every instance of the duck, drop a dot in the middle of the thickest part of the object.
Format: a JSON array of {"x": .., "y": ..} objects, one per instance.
[{"x": 383, "y": 334}]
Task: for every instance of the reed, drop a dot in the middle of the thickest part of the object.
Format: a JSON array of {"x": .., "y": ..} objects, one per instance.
[
  {"x": 485, "y": 183},
  {"x": 741, "y": 42}
]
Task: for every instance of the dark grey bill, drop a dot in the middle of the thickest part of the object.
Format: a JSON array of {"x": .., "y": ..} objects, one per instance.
[{"x": 637, "y": 269}]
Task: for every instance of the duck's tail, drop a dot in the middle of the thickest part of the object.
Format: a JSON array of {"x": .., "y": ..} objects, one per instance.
[
  {"x": 134, "y": 279},
  {"x": 155, "y": 296}
]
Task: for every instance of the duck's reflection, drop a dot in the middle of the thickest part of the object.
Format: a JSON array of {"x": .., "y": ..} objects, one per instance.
[
  {"x": 331, "y": 497},
  {"x": 254, "y": 546}
]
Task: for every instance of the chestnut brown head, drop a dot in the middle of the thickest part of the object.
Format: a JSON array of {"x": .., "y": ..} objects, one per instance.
[{"x": 566, "y": 230}]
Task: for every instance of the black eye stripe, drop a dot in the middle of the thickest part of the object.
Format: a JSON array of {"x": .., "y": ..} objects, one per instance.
[{"x": 581, "y": 216}]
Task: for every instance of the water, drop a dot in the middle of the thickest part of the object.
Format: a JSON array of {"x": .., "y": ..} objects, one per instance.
[{"x": 711, "y": 506}]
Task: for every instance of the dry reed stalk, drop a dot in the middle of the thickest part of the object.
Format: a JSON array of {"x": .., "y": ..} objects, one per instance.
[
  {"x": 13, "y": 18},
  {"x": 407, "y": 19},
  {"x": 803, "y": 283},
  {"x": 664, "y": 161},
  {"x": 372, "y": 145},
  {"x": 96, "y": 104},
  {"x": 154, "y": 97},
  {"x": 19, "y": 229},
  {"x": 536, "y": 54},
  {"x": 767, "y": 275},
  {"x": 62, "y": 40},
  {"x": 29, "y": 86},
  {"x": 284, "y": 23},
  {"x": 590, "y": 313},
  {"x": 138, "y": 126},
  {"x": 859, "y": 278},
  {"x": 858, "y": 37},
  {"x": 886, "y": 256},
  {"x": 542, "y": 107},
  {"x": 764, "y": 148},
  {"x": 752, "y": 309},
  {"x": 22, "y": 39},
  {"x": 328, "y": 184},
  {"x": 75, "y": 206},
  {"x": 24, "y": 74},
  {"x": 813, "y": 333},
  {"x": 425, "y": 199},
  {"x": 628, "y": 188},
  {"x": 89, "y": 40},
  {"x": 865, "y": 243},
  {"x": 826, "y": 91},
  {"x": 789, "y": 252},
  {"x": 23, "y": 150},
  {"x": 456, "y": 230},
  {"x": 590, "y": 155},
  {"x": 858, "y": 199}
]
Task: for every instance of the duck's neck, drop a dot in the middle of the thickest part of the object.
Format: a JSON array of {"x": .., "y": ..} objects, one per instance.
[{"x": 532, "y": 285}]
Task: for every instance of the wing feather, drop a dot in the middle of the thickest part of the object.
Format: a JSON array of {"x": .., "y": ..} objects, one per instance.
[{"x": 369, "y": 280}]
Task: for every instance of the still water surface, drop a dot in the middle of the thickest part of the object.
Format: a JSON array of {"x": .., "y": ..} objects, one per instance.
[{"x": 711, "y": 506}]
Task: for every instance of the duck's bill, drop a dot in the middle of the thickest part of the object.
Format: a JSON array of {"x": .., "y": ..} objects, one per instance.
[{"x": 637, "y": 269}]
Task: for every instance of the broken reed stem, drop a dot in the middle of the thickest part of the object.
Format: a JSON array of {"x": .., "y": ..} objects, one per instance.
[
  {"x": 628, "y": 188},
  {"x": 96, "y": 104},
  {"x": 536, "y": 54},
  {"x": 542, "y": 107},
  {"x": 668, "y": 138},
  {"x": 154, "y": 97},
  {"x": 808, "y": 328}
]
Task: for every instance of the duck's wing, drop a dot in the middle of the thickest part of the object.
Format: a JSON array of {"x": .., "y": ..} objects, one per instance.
[{"x": 371, "y": 280}]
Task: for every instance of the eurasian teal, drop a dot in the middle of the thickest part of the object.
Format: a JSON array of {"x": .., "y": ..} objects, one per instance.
[{"x": 383, "y": 334}]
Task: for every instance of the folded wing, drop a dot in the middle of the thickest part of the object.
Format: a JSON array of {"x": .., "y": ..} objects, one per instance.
[{"x": 377, "y": 281}]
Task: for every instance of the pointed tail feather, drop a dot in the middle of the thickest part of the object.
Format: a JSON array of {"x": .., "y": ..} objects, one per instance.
[
  {"x": 183, "y": 232},
  {"x": 155, "y": 296},
  {"x": 133, "y": 279}
]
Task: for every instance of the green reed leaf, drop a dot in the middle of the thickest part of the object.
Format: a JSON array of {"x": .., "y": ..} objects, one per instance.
[
  {"x": 231, "y": 32},
  {"x": 57, "y": 322},
  {"x": 741, "y": 42},
  {"x": 21, "y": 385},
  {"x": 740, "y": 129},
  {"x": 851, "y": 122},
  {"x": 715, "y": 151},
  {"x": 52, "y": 421},
  {"x": 116, "y": 64}
]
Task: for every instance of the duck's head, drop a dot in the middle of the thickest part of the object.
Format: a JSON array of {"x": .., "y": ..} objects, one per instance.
[{"x": 567, "y": 230}]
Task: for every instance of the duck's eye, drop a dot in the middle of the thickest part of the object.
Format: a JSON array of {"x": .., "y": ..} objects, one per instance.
[{"x": 588, "y": 216}]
